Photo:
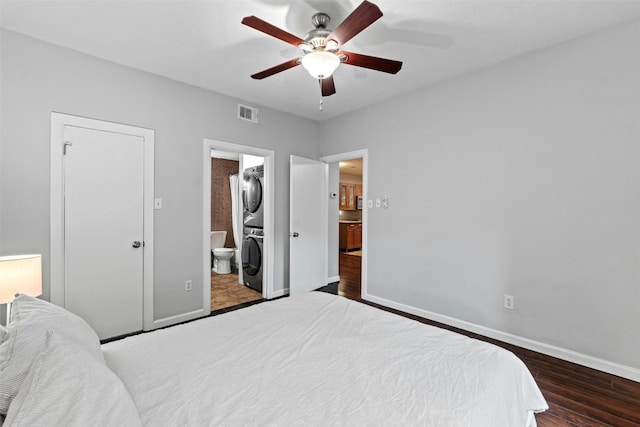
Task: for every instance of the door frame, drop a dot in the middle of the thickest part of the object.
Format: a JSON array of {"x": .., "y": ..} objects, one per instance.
[
  {"x": 268, "y": 245},
  {"x": 364, "y": 155},
  {"x": 56, "y": 282}
]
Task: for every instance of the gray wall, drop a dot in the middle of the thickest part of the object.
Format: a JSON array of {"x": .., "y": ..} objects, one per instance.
[
  {"x": 38, "y": 78},
  {"x": 520, "y": 179}
]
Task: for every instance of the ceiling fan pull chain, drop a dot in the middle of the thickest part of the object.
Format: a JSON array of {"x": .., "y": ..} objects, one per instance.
[{"x": 321, "y": 97}]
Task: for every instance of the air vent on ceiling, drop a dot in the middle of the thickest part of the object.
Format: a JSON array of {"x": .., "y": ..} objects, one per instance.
[{"x": 248, "y": 113}]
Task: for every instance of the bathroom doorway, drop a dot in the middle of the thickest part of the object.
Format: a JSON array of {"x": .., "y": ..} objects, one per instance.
[
  {"x": 238, "y": 269},
  {"x": 227, "y": 285}
]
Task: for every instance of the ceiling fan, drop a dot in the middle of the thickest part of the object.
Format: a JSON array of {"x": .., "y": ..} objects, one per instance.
[{"x": 321, "y": 48}]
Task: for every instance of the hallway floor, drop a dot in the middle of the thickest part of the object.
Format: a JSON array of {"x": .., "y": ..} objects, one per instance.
[{"x": 350, "y": 267}]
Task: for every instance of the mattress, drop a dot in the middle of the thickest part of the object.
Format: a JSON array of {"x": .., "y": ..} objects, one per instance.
[{"x": 319, "y": 359}]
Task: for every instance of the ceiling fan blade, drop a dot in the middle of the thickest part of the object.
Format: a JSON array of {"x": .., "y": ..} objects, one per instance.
[
  {"x": 372, "y": 62},
  {"x": 327, "y": 86},
  {"x": 272, "y": 30},
  {"x": 363, "y": 16},
  {"x": 278, "y": 68}
]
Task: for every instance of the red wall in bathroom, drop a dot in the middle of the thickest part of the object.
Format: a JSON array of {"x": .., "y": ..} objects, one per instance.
[{"x": 221, "y": 196}]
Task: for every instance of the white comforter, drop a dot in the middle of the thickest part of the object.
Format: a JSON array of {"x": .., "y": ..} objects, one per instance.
[{"x": 320, "y": 360}]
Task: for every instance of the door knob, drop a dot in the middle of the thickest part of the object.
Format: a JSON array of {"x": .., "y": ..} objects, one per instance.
[
  {"x": 294, "y": 234},
  {"x": 136, "y": 244}
]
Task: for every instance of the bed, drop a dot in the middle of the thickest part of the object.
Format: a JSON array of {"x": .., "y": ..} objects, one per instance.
[{"x": 312, "y": 360}]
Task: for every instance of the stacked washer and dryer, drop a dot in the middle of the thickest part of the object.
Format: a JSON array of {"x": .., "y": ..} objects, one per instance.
[{"x": 253, "y": 229}]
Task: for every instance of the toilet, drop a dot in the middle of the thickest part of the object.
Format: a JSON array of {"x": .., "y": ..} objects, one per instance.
[{"x": 221, "y": 255}]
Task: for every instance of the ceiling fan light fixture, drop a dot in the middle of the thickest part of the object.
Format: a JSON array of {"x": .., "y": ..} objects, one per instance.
[
  {"x": 306, "y": 47},
  {"x": 331, "y": 45},
  {"x": 320, "y": 64}
]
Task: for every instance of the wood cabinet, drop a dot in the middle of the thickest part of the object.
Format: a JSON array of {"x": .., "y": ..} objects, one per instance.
[
  {"x": 358, "y": 190},
  {"x": 350, "y": 236},
  {"x": 348, "y": 194}
]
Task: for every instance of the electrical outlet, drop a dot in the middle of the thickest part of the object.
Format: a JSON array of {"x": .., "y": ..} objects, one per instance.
[
  {"x": 509, "y": 302},
  {"x": 188, "y": 285}
]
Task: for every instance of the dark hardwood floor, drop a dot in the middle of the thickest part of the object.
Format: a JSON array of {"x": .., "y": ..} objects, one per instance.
[
  {"x": 350, "y": 277},
  {"x": 577, "y": 396}
]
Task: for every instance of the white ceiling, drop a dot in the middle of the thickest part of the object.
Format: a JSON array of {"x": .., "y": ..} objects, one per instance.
[
  {"x": 203, "y": 42},
  {"x": 351, "y": 167}
]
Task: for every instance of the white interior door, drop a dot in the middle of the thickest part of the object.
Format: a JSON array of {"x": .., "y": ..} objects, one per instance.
[
  {"x": 103, "y": 229},
  {"x": 308, "y": 225}
]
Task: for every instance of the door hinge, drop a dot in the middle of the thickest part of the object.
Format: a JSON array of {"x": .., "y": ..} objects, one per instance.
[{"x": 64, "y": 147}]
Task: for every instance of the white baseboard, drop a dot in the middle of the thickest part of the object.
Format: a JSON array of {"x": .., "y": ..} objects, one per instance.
[
  {"x": 174, "y": 320},
  {"x": 278, "y": 293},
  {"x": 550, "y": 350},
  {"x": 333, "y": 279}
]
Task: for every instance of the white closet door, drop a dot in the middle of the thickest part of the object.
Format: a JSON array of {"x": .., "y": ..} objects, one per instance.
[{"x": 103, "y": 229}]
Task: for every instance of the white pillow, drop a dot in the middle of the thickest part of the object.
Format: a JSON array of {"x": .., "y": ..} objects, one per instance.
[
  {"x": 52, "y": 317},
  {"x": 31, "y": 318},
  {"x": 68, "y": 387}
]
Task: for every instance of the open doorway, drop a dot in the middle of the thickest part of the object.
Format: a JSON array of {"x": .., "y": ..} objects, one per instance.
[
  {"x": 350, "y": 206},
  {"x": 347, "y": 213},
  {"x": 238, "y": 224},
  {"x": 228, "y": 209}
]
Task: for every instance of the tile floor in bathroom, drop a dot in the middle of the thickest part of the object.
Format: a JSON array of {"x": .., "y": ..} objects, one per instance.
[{"x": 227, "y": 292}]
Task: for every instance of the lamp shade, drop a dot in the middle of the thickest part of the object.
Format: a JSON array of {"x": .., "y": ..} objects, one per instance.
[
  {"x": 320, "y": 64},
  {"x": 20, "y": 274}
]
